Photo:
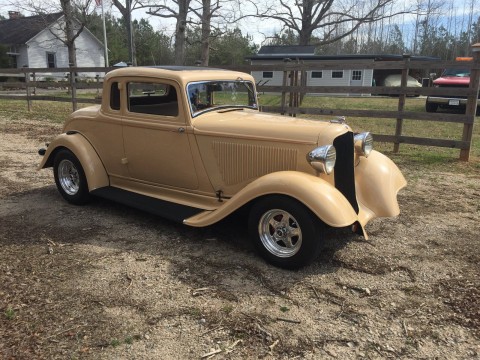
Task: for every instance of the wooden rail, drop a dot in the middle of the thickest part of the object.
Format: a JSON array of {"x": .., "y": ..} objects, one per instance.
[{"x": 293, "y": 90}]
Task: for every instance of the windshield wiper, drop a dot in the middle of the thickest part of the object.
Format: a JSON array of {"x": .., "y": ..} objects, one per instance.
[{"x": 230, "y": 109}]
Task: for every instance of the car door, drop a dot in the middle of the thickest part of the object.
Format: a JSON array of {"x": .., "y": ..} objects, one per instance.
[{"x": 156, "y": 135}]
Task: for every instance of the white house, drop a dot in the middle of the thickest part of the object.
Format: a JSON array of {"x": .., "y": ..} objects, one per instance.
[{"x": 34, "y": 42}]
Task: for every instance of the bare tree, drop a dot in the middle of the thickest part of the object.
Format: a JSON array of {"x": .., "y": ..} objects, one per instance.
[
  {"x": 178, "y": 10},
  {"x": 205, "y": 11},
  {"x": 322, "y": 22},
  {"x": 125, "y": 8}
]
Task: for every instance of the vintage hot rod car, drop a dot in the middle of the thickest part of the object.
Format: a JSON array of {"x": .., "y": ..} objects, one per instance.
[{"x": 190, "y": 144}]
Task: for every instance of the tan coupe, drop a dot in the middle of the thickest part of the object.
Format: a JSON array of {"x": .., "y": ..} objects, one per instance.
[{"x": 190, "y": 144}]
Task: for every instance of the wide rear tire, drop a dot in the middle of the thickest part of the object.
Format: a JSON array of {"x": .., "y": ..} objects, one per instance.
[{"x": 285, "y": 232}]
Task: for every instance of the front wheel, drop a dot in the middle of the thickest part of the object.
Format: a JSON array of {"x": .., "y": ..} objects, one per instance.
[
  {"x": 70, "y": 178},
  {"x": 431, "y": 107},
  {"x": 285, "y": 232}
]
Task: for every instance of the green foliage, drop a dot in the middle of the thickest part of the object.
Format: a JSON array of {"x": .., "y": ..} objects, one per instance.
[
  {"x": 229, "y": 48},
  {"x": 4, "y": 60},
  {"x": 10, "y": 313}
]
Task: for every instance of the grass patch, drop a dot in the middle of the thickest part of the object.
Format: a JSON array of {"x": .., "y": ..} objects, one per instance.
[
  {"x": 10, "y": 314},
  {"x": 54, "y": 111}
]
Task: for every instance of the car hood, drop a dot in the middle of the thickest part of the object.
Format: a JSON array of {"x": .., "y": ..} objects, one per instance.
[
  {"x": 452, "y": 80},
  {"x": 256, "y": 125}
]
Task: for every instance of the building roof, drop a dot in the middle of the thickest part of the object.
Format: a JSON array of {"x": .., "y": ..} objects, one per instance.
[
  {"x": 286, "y": 50},
  {"x": 374, "y": 57},
  {"x": 20, "y": 30}
]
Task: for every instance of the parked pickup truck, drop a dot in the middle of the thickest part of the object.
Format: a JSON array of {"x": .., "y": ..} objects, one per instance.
[
  {"x": 450, "y": 78},
  {"x": 190, "y": 144}
]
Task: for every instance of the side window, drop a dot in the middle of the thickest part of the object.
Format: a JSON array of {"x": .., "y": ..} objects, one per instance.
[
  {"x": 337, "y": 74},
  {"x": 115, "y": 96},
  {"x": 152, "y": 98}
]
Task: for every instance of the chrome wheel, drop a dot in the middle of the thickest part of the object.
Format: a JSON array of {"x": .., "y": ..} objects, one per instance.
[
  {"x": 68, "y": 177},
  {"x": 280, "y": 233}
]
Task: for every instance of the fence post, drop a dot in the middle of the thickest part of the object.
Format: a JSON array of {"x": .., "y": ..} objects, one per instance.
[
  {"x": 27, "y": 86},
  {"x": 472, "y": 100},
  {"x": 34, "y": 78},
  {"x": 401, "y": 101},
  {"x": 73, "y": 87}
]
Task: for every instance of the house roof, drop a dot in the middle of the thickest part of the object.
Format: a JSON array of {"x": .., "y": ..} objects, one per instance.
[
  {"x": 20, "y": 30},
  {"x": 287, "y": 50}
]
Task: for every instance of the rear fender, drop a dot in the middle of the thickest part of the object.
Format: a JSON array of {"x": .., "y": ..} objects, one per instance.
[
  {"x": 323, "y": 199},
  {"x": 92, "y": 165}
]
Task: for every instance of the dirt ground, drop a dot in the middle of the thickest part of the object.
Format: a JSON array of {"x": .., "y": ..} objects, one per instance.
[{"x": 104, "y": 281}]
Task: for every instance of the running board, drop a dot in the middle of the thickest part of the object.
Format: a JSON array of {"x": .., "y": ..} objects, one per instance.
[{"x": 166, "y": 209}]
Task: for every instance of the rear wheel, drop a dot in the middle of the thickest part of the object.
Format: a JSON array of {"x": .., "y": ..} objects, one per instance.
[
  {"x": 285, "y": 232},
  {"x": 70, "y": 178}
]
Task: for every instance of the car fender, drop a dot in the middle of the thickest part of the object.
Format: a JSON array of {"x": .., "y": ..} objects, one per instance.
[
  {"x": 92, "y": 165},
  {"x": 323, "y": 199},
  {"x": 377, "y": 181}
]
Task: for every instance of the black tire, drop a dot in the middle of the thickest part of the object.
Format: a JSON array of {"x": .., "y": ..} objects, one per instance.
[
  {"x": 431, "y": 107},
  {"x": 273, "y": 225},
  {"x": 70, "y": 178}
]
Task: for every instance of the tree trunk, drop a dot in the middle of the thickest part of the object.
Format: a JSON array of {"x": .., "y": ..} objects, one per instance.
[
  {"x": 206, "y": 21},
  {"x": 304, "y": 37},
  {"x": 180, "y": 31},
  {"x": 126, "y": 12},
  {"x": 69, "y": 32}
]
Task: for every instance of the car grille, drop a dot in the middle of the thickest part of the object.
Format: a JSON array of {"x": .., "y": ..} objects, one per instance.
[{"x": 345, "y": 168}]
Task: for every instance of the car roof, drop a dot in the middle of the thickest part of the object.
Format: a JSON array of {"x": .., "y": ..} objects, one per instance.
[{"x": 181, "y": 74}]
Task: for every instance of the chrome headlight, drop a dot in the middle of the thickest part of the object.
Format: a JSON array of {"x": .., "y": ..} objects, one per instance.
[
  {"x": 363, "y": 143},
  {"x": 323, "y": 158}
]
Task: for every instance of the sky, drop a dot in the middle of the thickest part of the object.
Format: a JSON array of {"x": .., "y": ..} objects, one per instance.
[{"x": 456, "y": 11}]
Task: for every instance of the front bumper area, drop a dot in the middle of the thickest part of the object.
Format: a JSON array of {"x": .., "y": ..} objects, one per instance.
[{"x": 447, "y": 101}]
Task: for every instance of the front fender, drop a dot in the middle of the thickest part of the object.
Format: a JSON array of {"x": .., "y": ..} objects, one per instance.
[
  {"x": 377, "y": 181},
  {"x": 318, "y": 195},
  {"x": 92, "y": 165}
]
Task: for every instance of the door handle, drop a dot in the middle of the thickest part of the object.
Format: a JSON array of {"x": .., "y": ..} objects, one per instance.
[{"x": 181, "y": 129}]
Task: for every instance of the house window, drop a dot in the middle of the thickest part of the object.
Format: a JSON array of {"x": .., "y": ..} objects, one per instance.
[
  {"x": 356, "y": 74},
  {"x": 51, "y": 60},
  {"x": 317, "y": 74},
  {"x": 267, "y": 74},
  {"x": 337, "y": 74}
]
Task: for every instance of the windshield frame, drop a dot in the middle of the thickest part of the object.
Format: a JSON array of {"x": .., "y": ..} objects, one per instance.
[{"x": 249, "y": 86}]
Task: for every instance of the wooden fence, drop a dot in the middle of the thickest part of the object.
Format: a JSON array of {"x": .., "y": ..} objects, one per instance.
[{"x": 294, "y": 88}]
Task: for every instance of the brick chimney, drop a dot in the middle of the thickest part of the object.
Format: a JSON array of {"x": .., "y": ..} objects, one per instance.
[{"x": 14, "y": 14}]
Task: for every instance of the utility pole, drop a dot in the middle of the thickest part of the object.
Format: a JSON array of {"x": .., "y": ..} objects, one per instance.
[{"x": 129, "y": 31}]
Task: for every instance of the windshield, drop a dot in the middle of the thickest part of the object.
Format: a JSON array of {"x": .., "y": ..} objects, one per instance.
[
  {"x": 213, "y": 95},
  {"x": 457, "y": 72}
]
